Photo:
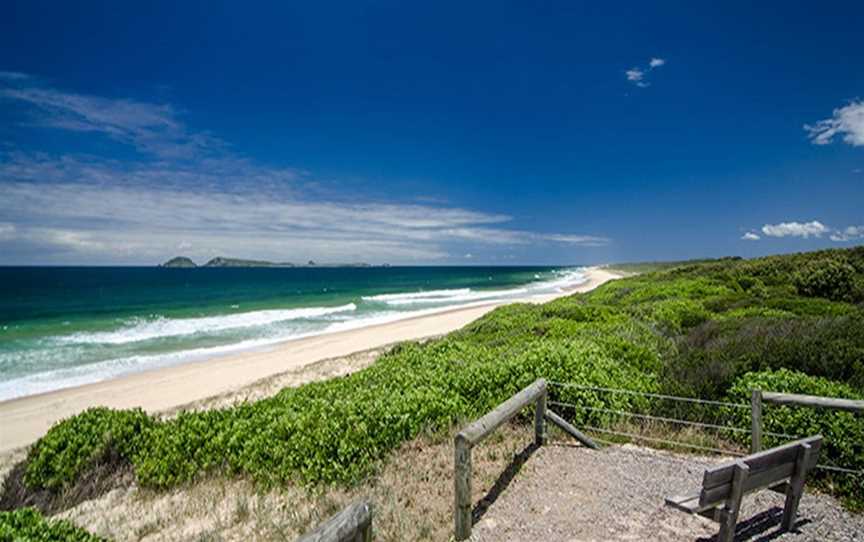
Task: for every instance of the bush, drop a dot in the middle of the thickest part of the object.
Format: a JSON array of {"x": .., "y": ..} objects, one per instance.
[
  {"x": 75, "y": 444},
  {"x": 26, "y": 524},
  {"x": 843, "y": 432},
  {"x": 830, "y": 278}
]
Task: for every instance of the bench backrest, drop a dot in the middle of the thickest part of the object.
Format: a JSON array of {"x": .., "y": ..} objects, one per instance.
[{"x": 767, "y": 468}]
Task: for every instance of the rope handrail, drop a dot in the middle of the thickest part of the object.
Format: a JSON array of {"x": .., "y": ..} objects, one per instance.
[
  {"x": 704, "y": 425},
  {"x": 675, "y": 443},
  {"x": 673, "y": 420},
  {"x": 650, "y": 417},
  {"x": 654, "y": 395},
  {"x": 839, "y": 469}
]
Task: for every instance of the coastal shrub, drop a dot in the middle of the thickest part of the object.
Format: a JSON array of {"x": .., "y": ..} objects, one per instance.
[
  {"x": 843, "y": 432},
  {"x": 714, "y": 354},
  {"x": 675, "y": 315},
  {"x": 76, "y": 443},
  {"x": 25, "y": 524},
  {"x": 830, "y": 278}
]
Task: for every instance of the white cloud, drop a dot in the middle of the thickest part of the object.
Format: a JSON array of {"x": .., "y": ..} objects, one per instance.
[
  {"x": 750, "y": 236},
  {"x": 143, "y": 223},
  {"x": 152, "y": 128},
  {"x": 796, "y": 229},
  {"x": 848, "y": 121},
  {"x": 194, "y": 195},
  {"x": 7, "y": 231},
  {"x": 851, "y": 233},
  {"x": 13, "y": 76},
  {"x": 637, "y": 75}
]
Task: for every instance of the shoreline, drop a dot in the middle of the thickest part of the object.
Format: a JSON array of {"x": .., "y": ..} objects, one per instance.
[{"x": 24, "y": 419}]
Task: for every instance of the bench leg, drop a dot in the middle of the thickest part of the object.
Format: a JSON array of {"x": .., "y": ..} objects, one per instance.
[
  {"x": 729, "y": 513},
  {"x": 795, "y": 488}
]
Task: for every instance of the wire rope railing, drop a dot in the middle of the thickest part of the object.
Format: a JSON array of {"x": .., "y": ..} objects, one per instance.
[{"x": 649, "y": 418}]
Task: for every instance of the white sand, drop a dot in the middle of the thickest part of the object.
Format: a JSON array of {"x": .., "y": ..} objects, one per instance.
[{"x": 24, "y": 420}]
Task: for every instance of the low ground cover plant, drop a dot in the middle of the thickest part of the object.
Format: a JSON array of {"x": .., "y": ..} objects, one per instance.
[{"x": 29, "y": 524}]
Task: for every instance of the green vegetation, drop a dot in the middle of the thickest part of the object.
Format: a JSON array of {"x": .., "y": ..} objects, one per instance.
[
  {"x": 26, "y": 524},
  {"x": 711, "y": 329}
]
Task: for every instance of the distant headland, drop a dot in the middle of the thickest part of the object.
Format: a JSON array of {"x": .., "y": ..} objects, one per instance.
[{"x": 183, "y": 261}]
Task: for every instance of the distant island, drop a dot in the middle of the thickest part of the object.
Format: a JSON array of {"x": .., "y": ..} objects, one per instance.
[
  {"x": 179, "y": 261},
  {"x": 184, "y": 262}
]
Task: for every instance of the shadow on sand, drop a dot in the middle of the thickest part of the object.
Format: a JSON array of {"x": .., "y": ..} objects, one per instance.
[{"x": 502, "y": 482}]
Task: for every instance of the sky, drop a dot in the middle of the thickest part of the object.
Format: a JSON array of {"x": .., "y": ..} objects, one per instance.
[{"x": 439, "y": 133}]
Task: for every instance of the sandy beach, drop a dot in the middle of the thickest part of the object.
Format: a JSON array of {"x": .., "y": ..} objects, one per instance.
[{"x": 237, "y": 377}]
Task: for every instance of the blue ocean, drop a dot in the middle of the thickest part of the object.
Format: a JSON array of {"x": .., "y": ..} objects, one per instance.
[{"x": 67, "y": 326}]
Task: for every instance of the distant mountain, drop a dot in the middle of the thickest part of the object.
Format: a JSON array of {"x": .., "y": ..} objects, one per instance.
[
  {"x": 237, "y": 262},
  {"x": 179, "y": 261}
]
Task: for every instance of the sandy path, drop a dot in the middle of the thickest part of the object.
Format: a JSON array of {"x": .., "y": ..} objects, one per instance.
[
  {"x": 566, "y": 493},
  {"x": 24, "y": 420}
]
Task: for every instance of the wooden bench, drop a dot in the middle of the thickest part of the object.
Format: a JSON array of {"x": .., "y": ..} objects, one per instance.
[{"x": 782, "y": 469}]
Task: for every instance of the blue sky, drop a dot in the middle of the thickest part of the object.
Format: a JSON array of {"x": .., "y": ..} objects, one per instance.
[{"x": 445, "y": 133}]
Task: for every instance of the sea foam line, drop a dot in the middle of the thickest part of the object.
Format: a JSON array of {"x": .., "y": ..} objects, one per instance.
[
  {"x": 143, "y": 330},
  {"x": 96, "y": 372}
]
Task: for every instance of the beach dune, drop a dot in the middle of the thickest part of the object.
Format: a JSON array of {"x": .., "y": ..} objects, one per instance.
[{"x": 24, "y": 420}]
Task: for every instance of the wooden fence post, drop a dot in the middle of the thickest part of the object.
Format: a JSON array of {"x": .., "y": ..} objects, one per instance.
[
  {"x": 462, "y": 492},
  {"x": 540, "y": 418},
  {"x": 755, "y": 421}
]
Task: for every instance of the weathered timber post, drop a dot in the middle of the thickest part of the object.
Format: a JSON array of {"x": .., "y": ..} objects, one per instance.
[
  {"x": 540, "y": 417},
  {"x": 462, "y": 488},
  {"x": 480, "y": 429},
  {"x": 755, "y": 421}
]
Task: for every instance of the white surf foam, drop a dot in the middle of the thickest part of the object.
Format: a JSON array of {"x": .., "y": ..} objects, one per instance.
[
  {"x": 460, "y": 296},
  {"x": 432, "y": 294},
  {"x": 143, "y": 330},
  {"x": 395, "y": 307}
]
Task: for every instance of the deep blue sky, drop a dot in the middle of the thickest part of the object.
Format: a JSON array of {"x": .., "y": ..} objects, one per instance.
[{"x": 482, "y": 132}]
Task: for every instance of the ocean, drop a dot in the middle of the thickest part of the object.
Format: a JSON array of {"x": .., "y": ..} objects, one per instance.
[{"x": 67, "y": 326}]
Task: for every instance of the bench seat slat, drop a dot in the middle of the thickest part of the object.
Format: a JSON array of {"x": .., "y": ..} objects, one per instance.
[
  {"x": 765, "y": 479},
  {"x": 787, "y": 453},
  {"x": 771, "y": 466},
  {"x": 685, "y": 503}
]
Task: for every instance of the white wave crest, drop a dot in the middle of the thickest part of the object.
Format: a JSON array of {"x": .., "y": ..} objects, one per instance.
[
  {"x": 143, "y": 330},
  {"x": 561, "y": 282},
  {"x": 431, "y": 294}
]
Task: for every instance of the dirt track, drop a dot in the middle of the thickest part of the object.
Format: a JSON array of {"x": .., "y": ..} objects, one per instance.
[{"x": 567, "y": 493}]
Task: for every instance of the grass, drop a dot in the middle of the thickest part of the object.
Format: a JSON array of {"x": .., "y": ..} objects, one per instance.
[{"x": 410, "y": 503}]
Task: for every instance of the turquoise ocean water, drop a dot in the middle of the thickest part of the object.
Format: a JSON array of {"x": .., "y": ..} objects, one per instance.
[{"x": 67, "y": 326}]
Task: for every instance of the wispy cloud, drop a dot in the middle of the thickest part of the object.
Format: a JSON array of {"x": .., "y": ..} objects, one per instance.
[
  {"x": 13, "y": 76},
  {"x": 750, "y": 236},
  {"x": 638, "y": 75},
  {"x": 190, "y": 192},
  {"x": 796, "y": 229},
  {"x": 847, "y": 121},
  {"x": 850, "y": 233},
  {"x": 154, "y": 129},
  {"x": 138, "y": 214}
]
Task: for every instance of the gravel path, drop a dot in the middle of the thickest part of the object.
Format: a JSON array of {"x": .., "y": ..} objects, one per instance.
[{"x": 568, "y": 493}]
